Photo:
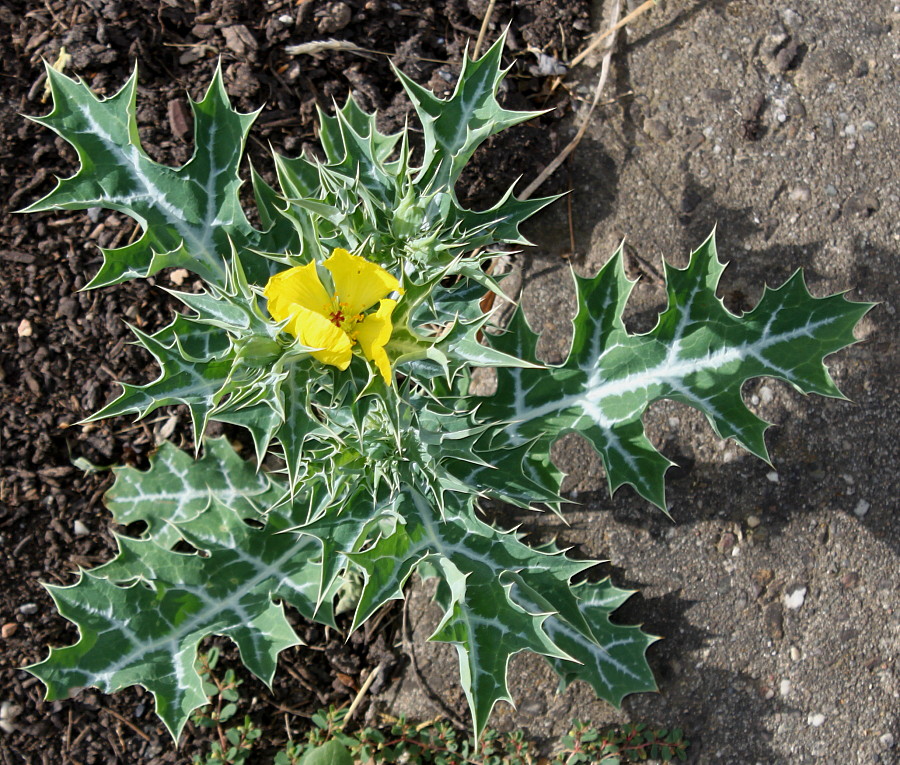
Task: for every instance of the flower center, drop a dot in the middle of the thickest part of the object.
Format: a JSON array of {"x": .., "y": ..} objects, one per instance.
[{"x": 339, "y": 317}]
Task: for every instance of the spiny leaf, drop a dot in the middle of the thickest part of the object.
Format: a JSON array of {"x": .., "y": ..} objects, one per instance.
[
  {"x": 342, "y": 527},
  {"x": 504, "y": 478},
  {"x": 460, "y": 341},
  {"x": 355, "y": 148},
  {"x": 148, "y": 632},
  {"x": 609, "y": 657},
  {"x": 297, "y": 422},
  {"x": 498, "y": 224},
  {"x": 186, "y": 213},
  {"x": 149, "y": 635},
  {"x": 195, "y": 340},
  {"x": 455, "y": 127},
  {"x": 261, "y": 421},
  {"x": 177, "y": 488},
  {"x": 490, "y": 610},
  {"x": 182, "y": 381},
  {"x": 698, "y": 354}
]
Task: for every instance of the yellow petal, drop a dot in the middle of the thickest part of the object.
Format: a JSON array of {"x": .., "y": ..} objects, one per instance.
[
  {"x": 383, "y": 363},
  {"x": 373, "y": 333},
  {"x": 357, "y": 282},
  {"x": 315, "y": 331},
  {"x": 297, "y": 286}
]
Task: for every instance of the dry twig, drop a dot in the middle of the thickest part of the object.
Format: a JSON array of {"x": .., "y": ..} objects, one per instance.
[
  {"x": 601, "y": 83},
  {"x": 484, "y": 25},
  {"x": 611, "y": 31},
  {"x": 317, "y": 46},
  {"x": 363, "y": 690},
  {"x": 127, "y": 722}
]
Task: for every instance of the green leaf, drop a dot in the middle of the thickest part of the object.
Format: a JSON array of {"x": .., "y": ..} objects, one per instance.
[
  {"x": 699, "y": 354},
  {"x": 607, "y": 656},
  {"x": 490, "y": 610},
  {"x": 461, "y": 342},
  {"x": 498, "y": 224},
  {"x": 356, "y": 149},
  {"x": 508, "y": 477},
  {"x": 261, "y": 420},
  {"x": 186, "y": 214},
  {"x": 178, "y": 488},
  {"x": 147, "y": 632},
  {"x": 342, "y": 528},
  {"x": 227, "y": 712},
  {"x": 199, "y": 385},
  {"x": 298, "y": 424},
  {"x": 136, "y": 634},
  {"x": 195, "y": 340},
  {"x": 455, "y": 127},
  {"x": 330, "y": 753},
  {"x": 280, "y": 234}
]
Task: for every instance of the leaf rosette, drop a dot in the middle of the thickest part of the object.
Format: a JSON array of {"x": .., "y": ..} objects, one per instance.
[{"x": 341, "y": 335}]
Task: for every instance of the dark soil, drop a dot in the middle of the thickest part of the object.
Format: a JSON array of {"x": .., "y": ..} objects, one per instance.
[{"x": 63, "y": 350}]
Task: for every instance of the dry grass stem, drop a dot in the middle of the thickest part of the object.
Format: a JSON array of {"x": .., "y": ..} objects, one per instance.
[
  {"x": 318, "y": 46},
  {"x": 628, "y": 18},
  {"x": 363, "y": 690},
  {"x": 484, "y": 25},
  {"x": 127, "y": 722},
  {"x": 601, "y": 83}
]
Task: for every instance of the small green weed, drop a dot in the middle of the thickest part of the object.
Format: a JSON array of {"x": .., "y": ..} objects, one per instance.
[
  {"x": 236, "y": 742},
  {"x": 436, "y": 742}
]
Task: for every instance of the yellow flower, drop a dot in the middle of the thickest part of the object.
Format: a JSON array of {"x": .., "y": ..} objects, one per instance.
[{"x": 333, "y": 324}]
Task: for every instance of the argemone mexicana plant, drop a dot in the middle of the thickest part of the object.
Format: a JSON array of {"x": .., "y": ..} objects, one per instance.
[{"x": 341, "y": 334}]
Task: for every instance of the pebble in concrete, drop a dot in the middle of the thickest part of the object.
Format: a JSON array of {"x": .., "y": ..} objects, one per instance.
[{"x": 795, "y": 599}]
